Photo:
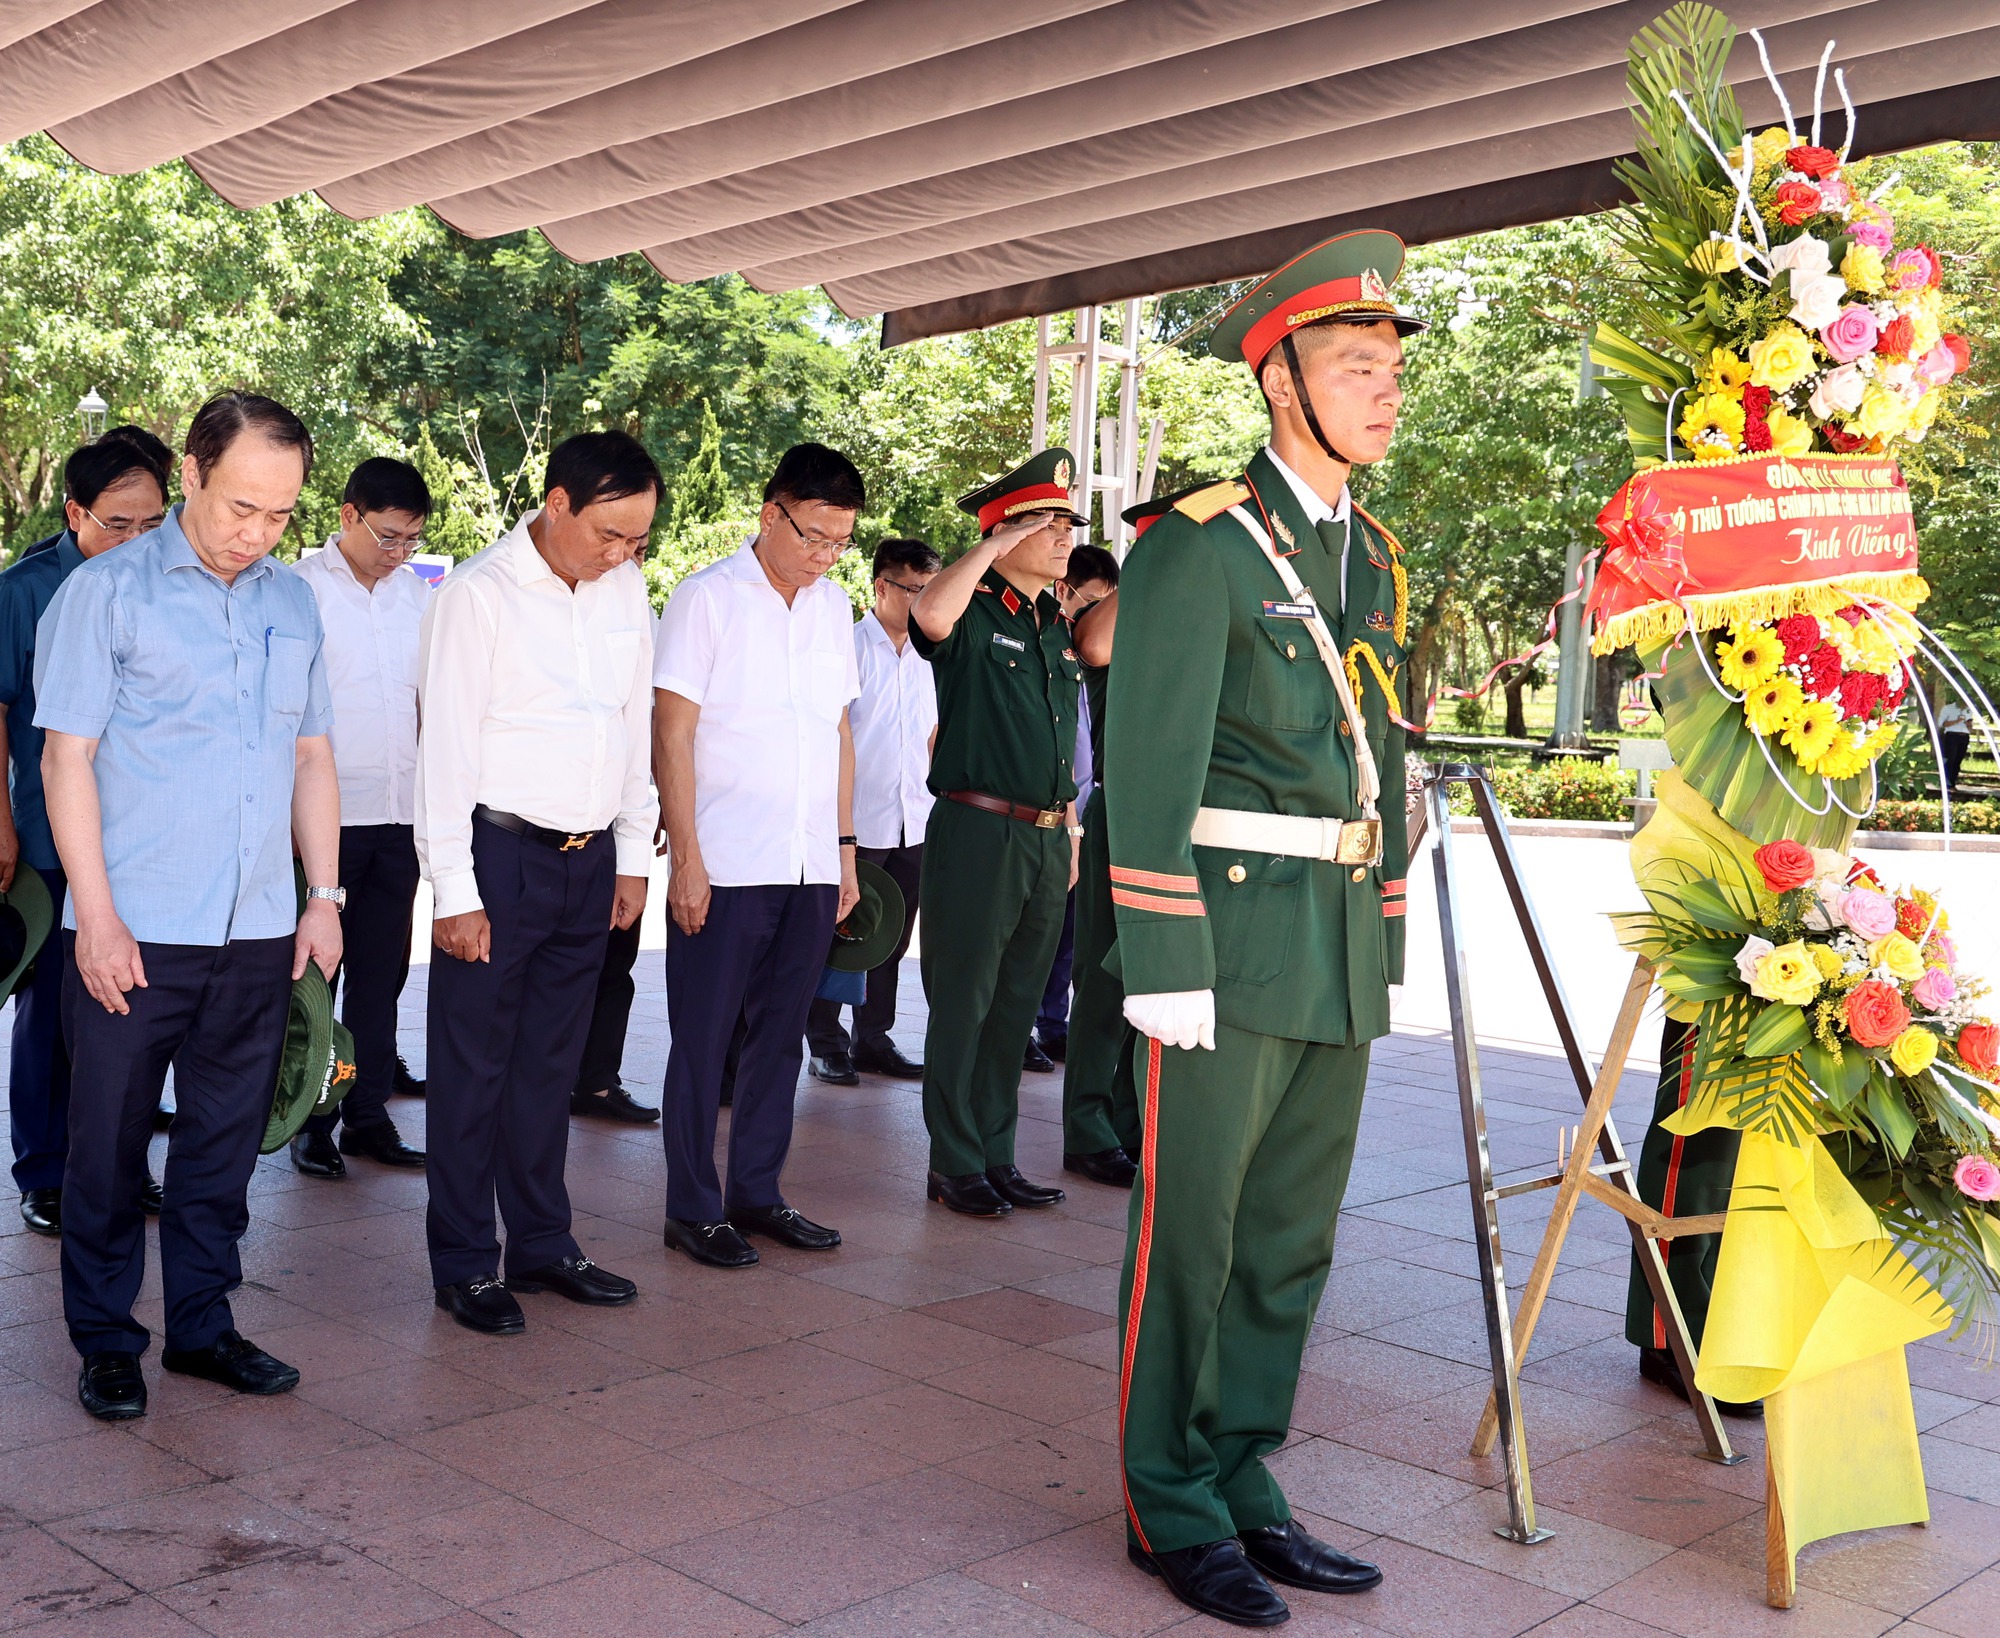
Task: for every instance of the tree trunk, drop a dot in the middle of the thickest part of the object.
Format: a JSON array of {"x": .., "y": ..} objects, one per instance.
[
  {"x": 1517, "y": 714},
  {"x": 1612, "y": 670}
]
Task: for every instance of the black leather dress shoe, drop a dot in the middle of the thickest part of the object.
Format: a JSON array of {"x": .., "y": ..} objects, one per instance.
[
  {"x": 483, "y": 1305},
  {"x": 1036, "y": 1060},
  {"x": 1289, "y": 1553},
  {"x": 969, "y": 1196},
  {"x": 1113, "y": 1166},
  {"x": 1054, "y": 1047},
  {"x": 836, "y": 1069},
  {"x": 578, "y": 1279},
  {"x": 316, "y": 1154},
  {"x": 41, "y": 1210},
  {"x": 786, "y": 1226},
  {"x": 716, "y": 1244},
  {"x": 888, "y": 1060},
  {"x": 406, "y": 1085},
  {"x": 614, "y": 1103},
  {"x": 1217, "y": 1579},
  {"x": 152, "y": 1198},
  {"x": 1659, "y": 1366},
  {"x": 236, "y": 1362},
  {"x": 1016, "y": 1190},
  {"x": 381, "y": 1143},
  {"x": 110, "y": 1387}
]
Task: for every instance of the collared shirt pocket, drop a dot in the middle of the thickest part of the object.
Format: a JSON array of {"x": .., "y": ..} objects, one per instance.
[
  {"x": 1289, "y": 688},
  {"x": 826, "y": 682},
  {"x": 287, "y": 675},
  {"x": 611, "y": 670}
]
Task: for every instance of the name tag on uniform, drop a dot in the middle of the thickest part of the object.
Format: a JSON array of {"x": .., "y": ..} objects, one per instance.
[
  {"x": 1289, "y": 611},
  {"x": 1015, "y": 643}
]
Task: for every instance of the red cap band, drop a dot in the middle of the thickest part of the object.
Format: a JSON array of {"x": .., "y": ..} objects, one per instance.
[
  {"x": 1036, "y": 497},
  {"x": 1316, "y": 301}
]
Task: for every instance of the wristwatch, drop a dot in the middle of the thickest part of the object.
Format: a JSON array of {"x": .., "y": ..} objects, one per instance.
[
  {"x": 848, "y": 841},
  {"x": 1074, "y": 830},
  {"x": 335, "y": 896}
]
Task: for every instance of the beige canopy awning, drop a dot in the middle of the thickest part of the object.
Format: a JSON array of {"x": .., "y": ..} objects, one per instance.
[{"x": 946, "y": 163}]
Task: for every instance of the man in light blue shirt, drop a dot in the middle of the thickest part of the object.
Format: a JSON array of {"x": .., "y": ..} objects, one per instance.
[{"x": 180, "y": 684}]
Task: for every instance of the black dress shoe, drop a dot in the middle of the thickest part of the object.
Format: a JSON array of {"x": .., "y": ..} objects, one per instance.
[
  {"x": 1659, "y": 1366},
  {"x": 1289, "y": 1553},
  {"x": 578, "y": 1279},
  {"x": 315, "y": 1154},
  {"x": 110, "y": 1387},
  {"x": 786, "y": 1226},
  {"x": 836, "y": 1069},
  {"x": 41, "y": 1210},
  {"x": 405, "y": 1085},
  {"x": 1217, "y": 1579},
  {"x": 152, "y": 1198},
  {"x": 236, "y": 1362},
  {"x": 1016, "y": 1190},
  {"x": 888, "y": 1060},
  {"x": 379, "y": 1141},
  {"x": 1054, "y": 1047},
  {"x": 716, "y": 1244},
  {"x": 614, "y": 1103},
  {"x": 483, "y": 1305},
  {"x": 1037, "y": 1060},
  {"x": 1113, "y": 1166},
  {"x": 970, "y": 1196}
]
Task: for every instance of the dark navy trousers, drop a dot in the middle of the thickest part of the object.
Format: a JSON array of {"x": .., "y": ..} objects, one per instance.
[
  {"x": 38, "y": 1079},
  {"x": 217, "y": 1014},
  {"x": 379, "y": 869},
  {"x": 610, "y": 1015},
  {"x": 758, "y": 957},
  {"x": 505, "y": 1038}
]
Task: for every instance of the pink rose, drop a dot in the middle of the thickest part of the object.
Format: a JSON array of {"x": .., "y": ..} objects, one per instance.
[
  {"x": 1872, "y": 228},
  {"x": 1942, "y": 949},
  {"x": 1912, "y": 269},
  {"x": 1937, "y": 366},
  {"x": 1851, "y": 334},
  {"x": 1934, "y": 990},
  {"x": 1977, "y": 1178},
  {"x": 1835, "y": 195},
  {"x": 1871, "y": 914}
]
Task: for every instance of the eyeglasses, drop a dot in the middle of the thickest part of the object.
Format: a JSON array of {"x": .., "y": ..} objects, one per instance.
[
  {"x": 124, "y": 529},
  {"x": 400, "y": 545},
  {"x": 819, "y": 545},
  {"x": 902, "y": 587}
]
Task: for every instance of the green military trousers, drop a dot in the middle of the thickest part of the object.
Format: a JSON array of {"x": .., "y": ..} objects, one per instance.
[
  {"x": 992, "y": 894},
  {"x": 1680, "y": 1177},
  {"x": 1100, "y": 1110},
  {"x": 1246, "y": 1155}
]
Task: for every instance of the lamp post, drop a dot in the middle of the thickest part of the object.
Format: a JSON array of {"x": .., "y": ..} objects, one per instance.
[{"x": 91, "y": 411}]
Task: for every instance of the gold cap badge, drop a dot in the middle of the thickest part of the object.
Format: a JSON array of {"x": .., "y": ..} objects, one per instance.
[{"x": 1062, "y": 474}]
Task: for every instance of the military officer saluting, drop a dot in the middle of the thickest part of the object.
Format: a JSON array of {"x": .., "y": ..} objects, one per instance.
[
  {"x": 1254, "y": 796},
  {"x": 1000, "y": 852}
]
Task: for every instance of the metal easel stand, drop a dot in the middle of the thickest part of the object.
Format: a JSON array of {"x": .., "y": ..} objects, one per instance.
[{"x": 1613, "y": 1175}]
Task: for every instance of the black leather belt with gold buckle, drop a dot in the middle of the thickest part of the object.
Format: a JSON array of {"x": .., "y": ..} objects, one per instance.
[{"x": 563, "y": 841}]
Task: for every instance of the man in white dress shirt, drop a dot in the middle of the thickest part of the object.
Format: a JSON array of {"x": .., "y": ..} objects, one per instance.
[
  {"x": 371, "y": 604},
  {"x": 755, "y": 762},
  {"x": 534, "y": 824},
  {"x": 895, "y": 725}
]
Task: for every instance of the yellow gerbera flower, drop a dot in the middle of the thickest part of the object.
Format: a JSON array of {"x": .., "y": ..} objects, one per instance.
[
  {"x": 1882, "y": 739},
  {"x": 1712, "y": 427},
  {"x": 1782, "y": 359},
  {"x": 1827, "y": 960},
  {"x": 1789, "y": 435},
  {"x": 1847, "y": 758},
  {"x": 1771, "y": 704},
  {"x": 1811, "y": 732},
  {"x": 1724, "y": 372},
  {"x": 1754, "y": 657}
]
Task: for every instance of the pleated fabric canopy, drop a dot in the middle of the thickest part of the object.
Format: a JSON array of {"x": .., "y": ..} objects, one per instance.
[{"x": 946, "y": 163}]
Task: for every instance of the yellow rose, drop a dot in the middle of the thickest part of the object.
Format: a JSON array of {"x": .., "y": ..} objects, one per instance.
[
  {"x": 1924, "y": 413},
  {"x": 1873, "y": 649},
  {"x": 1883, "y": 414},
  {"x": 1789, "y": 435},
  {"x": 1924, "y": 331},
  {"x": 1716, "y": 256},
  {"x": 1782, "y": 359},
  {"x": 1768, "y": 148},
  {"x": 1827, "y": 960},
  {"x": 1914, "y": 1050},
  {"x": 1899, "y": 955},
  {"x": 1861, "y": 267},
  {"x": 1788, "y": 974}
]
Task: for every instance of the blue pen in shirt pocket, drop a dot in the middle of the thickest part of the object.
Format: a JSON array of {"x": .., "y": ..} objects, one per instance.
[{"x": 269, "y": 632}]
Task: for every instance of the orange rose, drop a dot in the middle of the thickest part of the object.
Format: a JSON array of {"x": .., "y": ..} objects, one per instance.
[
  {"x": 1797, "y": 202},
  {"x": 1785, "y": 865},
  {"x": 1875, "y": 1013},
  {"x": 1979, "y": 1048}
]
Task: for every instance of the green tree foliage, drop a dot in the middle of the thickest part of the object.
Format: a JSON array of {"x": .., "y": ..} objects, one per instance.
[{"x": 699, "y": 490}]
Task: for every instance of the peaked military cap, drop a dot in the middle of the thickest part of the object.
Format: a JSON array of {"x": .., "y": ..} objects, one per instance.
[
  {"x": 1039, "y": 484},
  {"x": 1346, "y": 280},
  {"x": 1147, "y": 513}
]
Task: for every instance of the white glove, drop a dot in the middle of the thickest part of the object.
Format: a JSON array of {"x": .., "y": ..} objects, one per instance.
[{"x": 1176, "y": 1018}]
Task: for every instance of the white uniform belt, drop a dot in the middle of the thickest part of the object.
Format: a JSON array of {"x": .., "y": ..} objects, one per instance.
[{"x": 1295, "y": 836}]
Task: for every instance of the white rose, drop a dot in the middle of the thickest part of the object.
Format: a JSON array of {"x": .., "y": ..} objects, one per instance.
[
  {"x": 1804, "y": 258},
  {"x": 1839, "y": 392},
  {"x": 1816, "y": 301},
  {"x": 1899, "y": 376},
  {"x": 1754, "y": 950}
]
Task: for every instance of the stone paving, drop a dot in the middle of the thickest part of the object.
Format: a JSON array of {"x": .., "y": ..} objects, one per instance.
[{"x": 914, "y": 1435}]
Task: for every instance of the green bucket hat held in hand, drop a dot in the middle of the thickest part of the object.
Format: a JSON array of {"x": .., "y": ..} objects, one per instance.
[
  {"x": 866, "y": 938},
  {"x": 27, "y": 914},
  {"x": 317, "y": 1068}
]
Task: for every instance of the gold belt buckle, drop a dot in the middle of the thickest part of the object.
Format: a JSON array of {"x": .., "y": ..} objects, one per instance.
[
  {"x": 572, "y": 843},
  {"x": 1360, "y": 842},
  {"x": 1048, "y": 819}
]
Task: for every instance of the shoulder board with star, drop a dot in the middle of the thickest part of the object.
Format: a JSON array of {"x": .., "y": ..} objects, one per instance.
[
  {"x": 1374, "y": 523},
  {"x": 1205, "y": 505}
]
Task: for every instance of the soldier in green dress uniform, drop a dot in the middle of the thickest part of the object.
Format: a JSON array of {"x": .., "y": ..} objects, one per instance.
[
  {"x": 1000, "y": 851},
  {"x": 1254, "y": 790}
]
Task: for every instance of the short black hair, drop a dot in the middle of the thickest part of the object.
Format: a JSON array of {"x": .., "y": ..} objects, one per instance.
[
  {"x": 97, "y": 467},
  {"x": 1088, "y": 563},
  {"x": 601, "y": 466},
  {"x": 228, "y": 415},
  {"x": 154, "y": 449},
  {"x": 379, "y": 484},
  {"x": 812, "y": 472},
  {"x": 913, "y": 555}
]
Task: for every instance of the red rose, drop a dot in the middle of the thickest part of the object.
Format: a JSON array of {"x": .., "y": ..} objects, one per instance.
[
  {"x": 1785, "y": 865},
  {"x": 1861, "y": 692},
  {"x": 1861, "y": 875},
  {"x": 1756, "y": 400},
  {"x": 1822, "y": 671},
  {"x": 1979, "y": 1048},
  {"x": 1875, "y": 1013},
  {"x": 1961, "y": 353},
  {"x": 1896, "y": 337},
  {"x": 1911, "y": 919},
  {"x": 1800, "y": 635},
  {"x": 1797, "y": 202},
  {"x": 1844, "y": 443},
  {"x": 1810, "y": 161},
  {"x": 1896, "y": 687}
]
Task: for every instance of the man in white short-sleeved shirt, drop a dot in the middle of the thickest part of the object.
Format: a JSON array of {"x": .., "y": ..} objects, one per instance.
[
  {"x": 895, "y": 726},
  {"x": 754, "y": 759}
]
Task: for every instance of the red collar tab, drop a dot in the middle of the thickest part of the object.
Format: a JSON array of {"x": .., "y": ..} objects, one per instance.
[
  {"x": 1365, "y": 293},
  {"x": 1036, "y": 496},
  {"x": 1010, "y": 600}
]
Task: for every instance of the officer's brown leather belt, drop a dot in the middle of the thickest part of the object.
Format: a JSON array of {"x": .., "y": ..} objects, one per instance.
[
  {"x": 1040, "y": 818},
  {"x": 563, "y": 841}
]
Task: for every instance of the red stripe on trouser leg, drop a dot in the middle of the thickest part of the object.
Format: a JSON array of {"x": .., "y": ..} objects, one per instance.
[
  {"x": 1139, "y": 1257},
  {"x": 1672, "y": 1185}
]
